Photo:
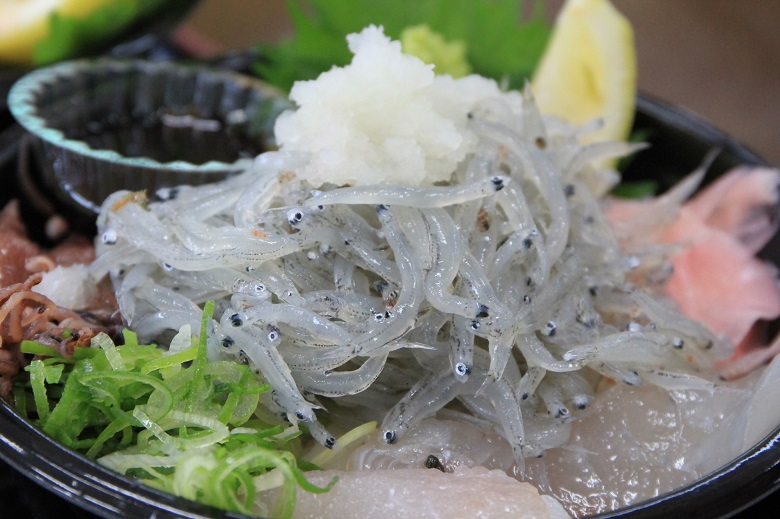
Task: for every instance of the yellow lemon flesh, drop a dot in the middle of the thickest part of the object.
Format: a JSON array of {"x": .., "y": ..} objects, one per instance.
[
  {"x": 23, "y": 23},
  {"x": 588, "y": 70}
]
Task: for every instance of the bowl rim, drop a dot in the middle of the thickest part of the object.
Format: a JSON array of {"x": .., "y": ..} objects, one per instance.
[
  {"x": 750, "y": 477},
  {"x": 22, "y": 105}
]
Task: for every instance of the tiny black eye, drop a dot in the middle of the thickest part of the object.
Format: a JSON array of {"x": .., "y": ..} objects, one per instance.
[
  {"x": 294, "y": 216},
  {"x": 390, "y": 437},
  {"x": 227, "y": 342},
  {"x": 378, "y": 317},
  {"x": 235, "y": 320},
  {"x": 551, "y": 328},
  {"x": 109, "y": 237},
  {"x": 474, "y": 325},
  {"x": 462, "y": 369}
]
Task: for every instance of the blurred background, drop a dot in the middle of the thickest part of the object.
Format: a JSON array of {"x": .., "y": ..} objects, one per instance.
[{"x": 719, "y": 58}]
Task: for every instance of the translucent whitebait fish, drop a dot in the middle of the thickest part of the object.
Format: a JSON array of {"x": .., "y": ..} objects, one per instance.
[
  {"x": 346, "y": 306},
  {"x": 294, "y": 316},
  {"x": 429, "y": 395},
  {"x": 504, "y": 289},
  {"x": 510, "y": 416},
  {"x": 300, "y": 357},
  {"x": 259, "y": 349},
  {"x": 340, "y": 383},
  {"x": 410, "y": 196},
  {"x": 347, "y": 234},
  {"x": 447, "y": 253},
  {"x": 404, "y": 313},
  {"x": 461, "y": 348}
]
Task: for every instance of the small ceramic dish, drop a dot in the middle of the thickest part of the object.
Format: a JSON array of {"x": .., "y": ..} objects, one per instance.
[{"x": 104, "y": 125}]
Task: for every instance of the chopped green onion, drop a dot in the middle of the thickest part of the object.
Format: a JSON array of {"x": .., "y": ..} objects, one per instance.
[
  {"x": 37, "y": 382},
  {"x": 112, "y": 355},
  {"x": 169, "y": 361},
  {"x": 36, "y": 348},
  {"x": 177, "y": 421}
]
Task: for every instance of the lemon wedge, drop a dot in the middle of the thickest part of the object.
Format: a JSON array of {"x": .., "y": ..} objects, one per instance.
[
  {"x": 23, "y": 23},
  {"x": 588, "y": 70}
]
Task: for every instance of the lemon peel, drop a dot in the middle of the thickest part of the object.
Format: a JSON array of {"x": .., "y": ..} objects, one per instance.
[{"x": 588, "y": 70}]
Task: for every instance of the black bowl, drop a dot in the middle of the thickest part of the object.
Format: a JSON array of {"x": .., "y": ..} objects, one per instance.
[{"x": 679, "y": 140}]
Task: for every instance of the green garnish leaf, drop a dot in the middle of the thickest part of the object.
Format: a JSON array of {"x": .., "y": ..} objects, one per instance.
[
  {"x": 72, "y": 36},
  {"x": 497, "y": 44},
  {"x": 638, "y": 189}
]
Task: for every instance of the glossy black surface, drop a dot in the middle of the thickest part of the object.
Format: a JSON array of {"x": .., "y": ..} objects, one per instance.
[{"x": 77, "y": 487}]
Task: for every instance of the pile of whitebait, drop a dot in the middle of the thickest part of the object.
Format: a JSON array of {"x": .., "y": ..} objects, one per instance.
[{"x": 503, "y": 294}]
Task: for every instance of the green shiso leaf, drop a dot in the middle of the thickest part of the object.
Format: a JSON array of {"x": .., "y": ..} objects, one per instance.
[{"x": 499, "y": 44}]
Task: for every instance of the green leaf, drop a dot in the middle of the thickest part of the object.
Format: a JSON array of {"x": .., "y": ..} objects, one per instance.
[
  {"x": 499, "y": 44},
  {"x": 637, "y": 189},
  {"x": 72, "y": 36}
]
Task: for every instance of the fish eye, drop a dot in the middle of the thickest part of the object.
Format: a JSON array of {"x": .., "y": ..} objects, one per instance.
[
  {"x": 462, "y": 369},
  {"x": 109, "y": 237},
  {"x": 294, "y": 216}
]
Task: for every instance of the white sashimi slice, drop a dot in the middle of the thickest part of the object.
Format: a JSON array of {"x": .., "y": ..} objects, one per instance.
[
  {"x": 425, "y": 493},
  {"x": 454, "y": 443},
  {"x": 638, "y": 443},
  {"x": 763, "y": 413}
]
